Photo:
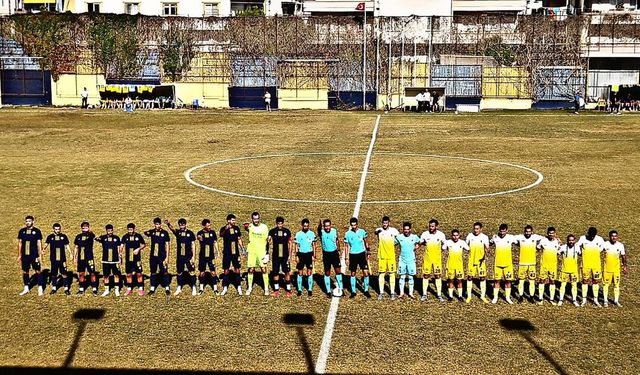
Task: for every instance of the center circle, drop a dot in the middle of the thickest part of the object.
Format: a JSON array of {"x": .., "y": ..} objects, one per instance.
[{"x": 188, "y": 175}]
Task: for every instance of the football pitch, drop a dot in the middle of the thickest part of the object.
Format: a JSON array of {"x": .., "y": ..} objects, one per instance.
[{"x": 538, "y": 168}]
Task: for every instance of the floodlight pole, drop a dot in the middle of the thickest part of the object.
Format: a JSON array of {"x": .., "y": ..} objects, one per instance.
[{"x": 364, "y": 59}]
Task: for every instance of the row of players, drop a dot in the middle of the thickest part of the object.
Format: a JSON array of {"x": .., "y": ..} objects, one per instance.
[{"x": 577, "y": 258}]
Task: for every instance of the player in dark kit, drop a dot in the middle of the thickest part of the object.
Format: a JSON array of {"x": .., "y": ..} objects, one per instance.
[
  {"x": 280, "y": 241},
  {"x": 58, "y": 245},
  {"x": 83, "y": 258},
  {"x": 231, "y": 248},
  {"x": 131, "y": 246},
  {"x": 159, "y": 256},
  {"x": 110, "y": 259},
  {"x": 29, "y": 251},
  {"x": 185, "y": 250},
  {"x": 206, "y": 257}
]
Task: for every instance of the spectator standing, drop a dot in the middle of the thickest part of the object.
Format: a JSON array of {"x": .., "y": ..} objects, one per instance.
[{"x": 85, "y": 98}]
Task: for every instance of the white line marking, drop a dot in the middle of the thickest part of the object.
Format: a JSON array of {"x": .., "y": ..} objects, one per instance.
[
  {"x": 323, "y": 355},
  {"x": 539, "y": 178}
]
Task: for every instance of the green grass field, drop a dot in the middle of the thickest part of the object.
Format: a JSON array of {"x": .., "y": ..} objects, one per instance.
[{"x": 67, "y": 165}]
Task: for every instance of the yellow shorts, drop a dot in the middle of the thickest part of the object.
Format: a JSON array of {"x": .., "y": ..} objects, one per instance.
[
  {"x": 254, "y": 260},
  {"x": 611, "y": 277},
  {"x": 526, "y": 272},
  {"x": 477, "y": 271},
  {"x": 387, "y": 265},
  {"x": 591, "y": 272},
  {"x": 548, "y": 273},
  {"x": 455, "y": 273},
  {"x": 503, "y": 273},
  {"x": 431, "y": 268},
  {"x": 568, "y": 277}
]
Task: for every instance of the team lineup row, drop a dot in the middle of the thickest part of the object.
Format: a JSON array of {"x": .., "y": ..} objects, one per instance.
[{"x": 196, "y": 253}]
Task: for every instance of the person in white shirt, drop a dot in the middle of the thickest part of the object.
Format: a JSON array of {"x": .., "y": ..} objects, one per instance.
[
  {"x": 267, "y": 100},
  {"x": 420, "y": 100},
  {"x": 427, "y": 101},
  {"x": 85, "y": 98},
  {"x": 614, "y": 259},
  {"x": 550, "y": 247}
]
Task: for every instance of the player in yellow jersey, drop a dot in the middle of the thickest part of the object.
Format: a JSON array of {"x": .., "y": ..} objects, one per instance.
[
  {"x": 550, "y": 247},
  {"x": 432, "y": 240},
  {"x": 477, "y": 265},
  {"x": 257, "y": 251},
  {"x": 503, "y": 264},
  {"x": 455, "y": 266},
  {"x": 527, "y": 242},
  {"x": 569, "y": 273},
  {"x": 614, "y": 259},
  {"x": 387, "y": 256},
  {"x": 590, "y": 246}
]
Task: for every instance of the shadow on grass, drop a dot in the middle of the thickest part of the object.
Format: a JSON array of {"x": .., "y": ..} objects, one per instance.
[{"x": 524, "y": 328}]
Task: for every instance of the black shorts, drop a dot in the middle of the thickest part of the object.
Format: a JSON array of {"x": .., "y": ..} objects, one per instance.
[
  {"x": 29, "y": 262},
  {"x": 230, "y": 259},
  {"x": 58, "y": 268},
  {"x": 110, "y": 269},
  {"x": 304, "y": 260},
  {"x": 204, "y": 263},
  {"x": 330, "y": 259},
  {"x": 133, "y": 267},
  {"x": 157, "y": 265},
  {"x": 86, "y": 265},
  {"x": 358, "y": 260},
  {"x": 281, "y": 263}
]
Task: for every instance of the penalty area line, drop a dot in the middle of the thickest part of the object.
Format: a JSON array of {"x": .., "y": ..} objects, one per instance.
[{"x": 323, "y": 355}]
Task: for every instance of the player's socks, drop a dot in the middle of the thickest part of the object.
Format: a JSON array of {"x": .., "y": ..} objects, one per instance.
[
  {"x": 25, "y": 279},
  {"x": 327, "y": 283},
  {"x": 299, "y": 280},
  {"x": 339, "y": 281},
  {"x": 540, "y": 292},
  {"x": 616, "y": 293},
  {"x": 450, "y": 290},
  {"x": 225, "y": 280},
  {"x": 425, "y": 286},
  {"x": 167, "y": 281},
  {"x": 309, "y": 282},
  {"x": 439, "y": 287},
  {"x": 402, "y": 284},
  {"x": 249, "y": 281},
  {"x": 353, "y": 284},
  {"x": 585, "y": 290},
  {"x": 520, "y": 288},
  {"x": 532, "y": 288},
  {"x": 265, "y": 282},
  {"x": 381, "y": 282},
  {"x": 288, "y": 286},
  {"x": 595, "y": 288},
  {"x": 392, "y": 283},
  {"x": 40, "y": 278},
  {"x": 460, "y": 292},
  {"x": 276, "y": 285},
  {"x": 411, "y": 281},
  {"x": 366, "y": 284},
  {"x": 469, "y": 288},
  {"x": 483, "y": 288},
  {"x": 117, "y": 291},
  {"x": 152, "y": 281},
  {"x": 605, "y": 293},
  {"x": 574, "y": 291},
  {"x": 552, "y": 292},
  {"x": 563, "y": 287},
  {"x": 507, "y": 293}
]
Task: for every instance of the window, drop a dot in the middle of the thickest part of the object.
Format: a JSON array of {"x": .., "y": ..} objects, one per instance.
[
  {"x": 210, "y": 9},
  {"x": 132, "y": 8},
  {"x": 93, "y": 7},
  {"x": 170, "y": 9}
]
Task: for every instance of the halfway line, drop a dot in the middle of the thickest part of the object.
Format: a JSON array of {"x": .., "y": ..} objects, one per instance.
[{"x": 323, "y": 356}]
